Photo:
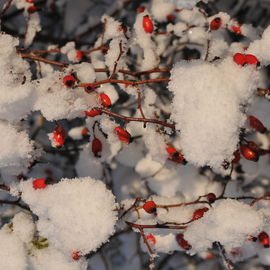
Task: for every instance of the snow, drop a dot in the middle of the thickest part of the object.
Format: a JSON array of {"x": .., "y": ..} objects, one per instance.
[
  {"x": 188, "y": 4},
  {"x": 229, "y": 222},
  {"x": 161, "y": 8},
  {"x": 209, "y": 117},
  {"x": 74, "y": 214}
]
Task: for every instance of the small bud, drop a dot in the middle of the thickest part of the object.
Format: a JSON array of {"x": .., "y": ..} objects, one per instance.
[
  {"x": 148, "y": 25},
  {"x": 150, "y": 207},
  {"x": 211, "y": 197},
  {"x": 39, "y": 183},
  {"x": 76, "y": 255}
]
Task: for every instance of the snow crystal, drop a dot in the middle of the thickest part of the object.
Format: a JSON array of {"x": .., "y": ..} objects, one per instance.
[
  {"x": 161, "y": 8},
  {"x": 207, "y": 108},
  {"x": 33, "y": 26},
  {"x": 229, "y": 222},
  {"x": 74, "y": 215}
]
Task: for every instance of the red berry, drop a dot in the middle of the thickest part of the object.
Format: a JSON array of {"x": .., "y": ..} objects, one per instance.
[
  {"x": 76, "y": 255},
  {"x": 248, "y": 153},
  {"x": 85, "y": 131},
  {"x": 256, "y": 124},
  {"x": 30, "y": 1},
  {"x": 236, "y": 157},
  {"x": 39, "y": 183},
  {"x": 264, "y": 239},
  {"x": 211, "y": 197},
  {"x": 148, "y": 25},
  {"x": 151, "y": 238},
  {"x": 182, "y": 242},
  {"x": 122, "y": 134},
  {"x": 140, "y": 9},
  {"x": 96, "y": 147},
  {"x": 175, "y": 155},
  {"x": 239, "y": 59},
  {"x": 59, "y": 135},
  {"x": 89, "y": 88},
  {"x": 32, "y": 9},
  {"x": 150, "y": 207},
  {"x": 69, "y": 81},
  {"x": 171, "y": 18},
  {"x": 105, "y": 100},
  {"x": 92, "y": 113},
  {"x": 79, "y": 55},
  {"x": 199, "y": 213},
  {"x": 215, "y": 24},
  {"x": 252, "y": 59},
  {"x": 236, "y": 30}
]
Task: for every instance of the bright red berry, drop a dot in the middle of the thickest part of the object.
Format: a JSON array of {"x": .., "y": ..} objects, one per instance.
[
  {"x": 239, "y": 59},
  {"x": 199, "y": 213},
  {"x": 69, "y": 81},
  {"x": 151, "y": 238},
  {"x": 79, "y": 55},
  {"x": 76, "y": 255},
  {"x": 236, "y": 30},
  {"x": 92, "y": 113},
  {"x": 122, "y": 134},
  {"x": 150, "y": 207},
  {"x": 170, "y": 18},
  {"x": 29, "y": 1},
  {"x": 105, "y": 100},
  {"x": 32, "y": 9},
  {"x": 249, "y": 153},
  {"x": 182, "y": 242},
  {"x": 140, "y": 9},
  {"x": 59, "y": 135},
  {"x": 264, "y": 239},
  {"x": 39, "y": 183},
  {"x": 215, "y": 24},
  {"x": 211, "y": 197},
  {"x": 148, "y": 25},
  {"x": 175, "y": 155},
  {"x": 89, "y": 88},
  {"x": 256, "y": 124},
  {"x": 96, "y": 147},
  {"x": 252, "y": 59}
]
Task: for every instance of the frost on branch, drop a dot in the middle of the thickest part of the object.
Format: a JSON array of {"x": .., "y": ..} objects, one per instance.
[
  {"x": 74, "y": 215},
  {"x": 209, "y": 108}
]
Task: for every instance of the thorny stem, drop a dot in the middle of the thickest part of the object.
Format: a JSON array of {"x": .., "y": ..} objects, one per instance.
[{"x": 135, "y": 119}]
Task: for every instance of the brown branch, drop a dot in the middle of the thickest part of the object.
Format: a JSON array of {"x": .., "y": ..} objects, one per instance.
[
  {"x": 135, "y": 119},
  {"x": 121, "y": 52},
  {"x": 263, "y": 197},
  {"x": 4, "y": 187},
  {"x": 44, "y": 60},
  {"x": 16, "y": 203},
  {"x": 157, "y": 226}
]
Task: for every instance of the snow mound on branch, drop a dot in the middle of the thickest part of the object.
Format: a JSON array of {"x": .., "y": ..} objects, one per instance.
[
  {"x": 229, "y": 222},
  {"x": 208, "y": 108},
  {"x": 16, "y": 149},
  {"x": 74, "y": 215},
  {"x": 13, "y": 253}
]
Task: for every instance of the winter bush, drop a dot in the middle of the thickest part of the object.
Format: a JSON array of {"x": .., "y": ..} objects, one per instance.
[{"x": 134, "y": 135}]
